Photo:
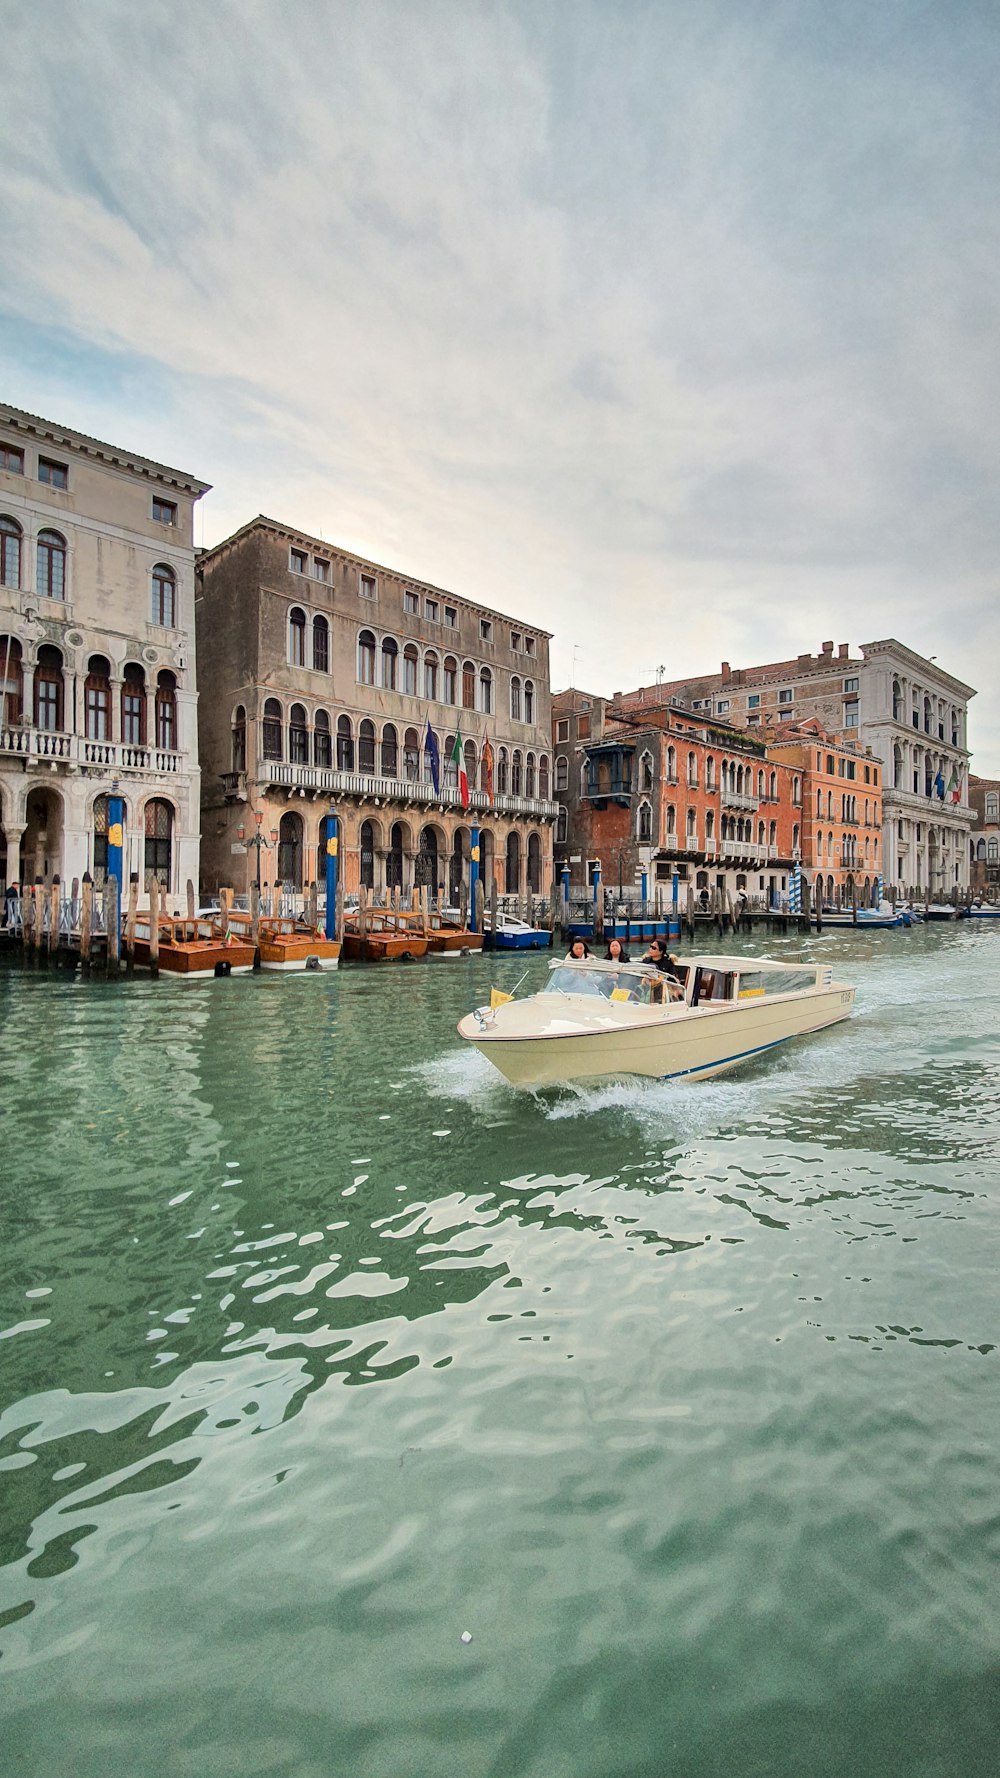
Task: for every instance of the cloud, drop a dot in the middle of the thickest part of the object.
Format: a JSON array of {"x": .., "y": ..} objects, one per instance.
[{"x": 664, "y": 328}]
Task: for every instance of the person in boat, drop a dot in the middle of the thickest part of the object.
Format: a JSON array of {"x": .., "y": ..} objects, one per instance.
[
  {"x": 616, "y": 952},
  {"x": 578, "y": 950}
]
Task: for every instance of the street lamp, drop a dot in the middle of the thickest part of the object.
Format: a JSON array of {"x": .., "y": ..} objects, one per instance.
[{"x": 257, "y": 840}]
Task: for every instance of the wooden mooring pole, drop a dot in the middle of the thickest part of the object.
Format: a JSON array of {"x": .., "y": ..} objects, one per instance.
[
  {"x": 154, "y": 927},
  {"x": 133, "y": 908},
  {"x": 86, "y": 920}
]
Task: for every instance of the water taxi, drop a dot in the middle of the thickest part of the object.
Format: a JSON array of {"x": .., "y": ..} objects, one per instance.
[
  {"x": 380, "y": 936},
  {"x": 516, "y": 935},
  {"x": 447, "y": 940},
  {"x": 981, "y": 910},
  {"x": 288, "y": 944},
  {"x": 596, "y": 1020},
  {"x": 193, "y": 949}
]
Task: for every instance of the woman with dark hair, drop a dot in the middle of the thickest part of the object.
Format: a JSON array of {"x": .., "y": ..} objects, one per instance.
[
  {"x": 578, "y": 950},
  {"x": 616, "y": 952}
]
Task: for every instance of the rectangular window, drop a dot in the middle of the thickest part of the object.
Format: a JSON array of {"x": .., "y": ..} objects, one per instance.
[
  {"x": 784, "y": 697},
  {"x": 367, "y": 587},
  {"x": 753, "y": 701},
  {"x": 722, "y": 706},
  {"x": 132, "y": 703},
  {"x": 851, "y": 769},
  {"x": 12, "y": 459},
  {"x": 562, "y": 730},
  {"x": 56, "y": 475},
  {"x": 515, "y": 641},
  {"x": 529, "y": 644},
  {"x": 485, "y": 630},
  {"x": 583, "y": 727},
  {"x": 431, "y": 610},
  {"x": 451, "y": 617},
  {"x": 298, "y": 561},
  {"x": 851, "y": 716},
  {"x": 321, "y": 570},
  {"x": 851, "y": 684},
  {"x": 164, "y": 511},
  {"x": 411, "y": 604}
]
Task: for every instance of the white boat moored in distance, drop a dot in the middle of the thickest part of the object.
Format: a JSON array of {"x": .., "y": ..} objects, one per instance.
[{"x": 595, "y": 1021}]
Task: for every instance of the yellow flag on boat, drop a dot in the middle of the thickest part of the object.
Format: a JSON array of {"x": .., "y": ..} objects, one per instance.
[{"x": 498, "y": 999}]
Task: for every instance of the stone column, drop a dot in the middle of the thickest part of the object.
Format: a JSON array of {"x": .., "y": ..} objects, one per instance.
[{"x": 13, "y": 836}]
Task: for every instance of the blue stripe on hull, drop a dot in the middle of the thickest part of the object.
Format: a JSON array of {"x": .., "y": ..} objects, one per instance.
[{"x": 741, "y": 1055}]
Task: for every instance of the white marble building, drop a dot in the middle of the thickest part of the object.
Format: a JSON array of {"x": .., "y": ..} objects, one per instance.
[
  {"x": 97, "y": 657},
  {"x": 914, "y": 717}
]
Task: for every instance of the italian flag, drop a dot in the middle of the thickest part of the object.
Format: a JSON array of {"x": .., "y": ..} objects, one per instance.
[{"x": 458, "y": 761}]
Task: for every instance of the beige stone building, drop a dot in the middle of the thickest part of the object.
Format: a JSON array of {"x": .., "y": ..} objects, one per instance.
[
  {"x": 326, "y": 673},
  {"x": 97, "y": 656}
]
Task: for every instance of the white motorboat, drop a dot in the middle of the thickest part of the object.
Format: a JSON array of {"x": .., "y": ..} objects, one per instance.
[{"x": 596, "y": 1020}]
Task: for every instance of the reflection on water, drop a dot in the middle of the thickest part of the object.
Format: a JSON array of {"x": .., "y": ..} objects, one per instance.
[{"x": 685, "y": 1393}]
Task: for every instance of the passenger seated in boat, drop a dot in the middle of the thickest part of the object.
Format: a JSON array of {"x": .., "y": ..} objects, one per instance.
[
  {"x": 664, "y": 960},
  {"x": 616, "y": 952},
  {"x": 578, "y": 950}
]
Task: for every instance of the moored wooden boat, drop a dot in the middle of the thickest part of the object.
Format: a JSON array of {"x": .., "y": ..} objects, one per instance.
[
  {"x": 444, "y": 940},
  {"x": 286, "y": 944},
  {"x": 193, "y": 948},
  {"x": 380, "y": 936}
]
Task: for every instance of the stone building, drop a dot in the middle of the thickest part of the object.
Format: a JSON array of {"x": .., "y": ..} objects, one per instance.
[
  {"x": 984, "y": 840},
  {"x": 327, "y": 673},
  {"x": 906, "y": 710},
  {"x": 97, "y": 656},
  {"x": 841, "y": 833}
]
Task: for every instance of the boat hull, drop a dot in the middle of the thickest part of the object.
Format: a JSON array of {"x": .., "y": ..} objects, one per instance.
[
  {"x": 383, "y": 948},
  {"x": 690, "y": 1045},
  {"x": 196, "y": 960},
  {"x": 522, "y": 941},
  {"x": 453, "y": 942}
]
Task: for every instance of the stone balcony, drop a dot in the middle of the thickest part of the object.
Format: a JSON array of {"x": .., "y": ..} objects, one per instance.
[
  {"x": 326, "y": 781},
  {"x": 57, "y": 748}
]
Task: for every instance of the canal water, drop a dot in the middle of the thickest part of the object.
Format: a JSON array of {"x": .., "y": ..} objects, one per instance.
[{"x": 363, "y": 1416}]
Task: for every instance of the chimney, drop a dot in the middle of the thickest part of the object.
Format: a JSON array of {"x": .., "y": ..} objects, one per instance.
[
  {"x": 843, "y": 651},
  {"x": 725, "y": 672},
  {"x": 828, "y": 648}
]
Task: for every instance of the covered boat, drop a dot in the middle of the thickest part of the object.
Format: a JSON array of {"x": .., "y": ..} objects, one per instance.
[{"x": 597, "y": 1020}]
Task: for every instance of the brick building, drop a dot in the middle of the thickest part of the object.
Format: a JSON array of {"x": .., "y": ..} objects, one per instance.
[
  {"x": 326, "y": 671},
  {"x": 984, "y": 840}
]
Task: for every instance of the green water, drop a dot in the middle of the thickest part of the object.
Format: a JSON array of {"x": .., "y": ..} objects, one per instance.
[{"x": 322, "y": 1347}]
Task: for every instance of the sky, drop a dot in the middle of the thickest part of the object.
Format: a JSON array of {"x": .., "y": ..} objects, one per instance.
[{"x": 669, "y": 328}]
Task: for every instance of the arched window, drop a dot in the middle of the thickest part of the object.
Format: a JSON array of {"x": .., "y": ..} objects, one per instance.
[
  {"x": 321, "y": 645},
  {"x": 562, "y": 822},
  {"x": 164, "y": 596},
  {"x": 692, "y": 776},
  {"x": 543, "y": 778},
  {"x": 562, "y": 772},
  {"x": 10, "y": 552},
  {"x": 468, "y": 686},
  {"x": 992, "y": 799},
  {"x": 992, "y": 848},
  {"x": 410, "y": 670},
  {"x": 772, "y": 833},
  {"x": 430, "y": 675},
  {"x": 411, "y": 755},
  {"x": 529, "y": 775},
  {"x": 239, "y": 733},
  {"x": 11, "y": 680},
  {"x": 296, "y": 637},
  {"x": 366, "y": 658},
  {"x": 390, "y": 659},
  {"x": 166, "y": 711},
  {"x": 644, "y": 825},
  {"x": 450, "y": 779},
  {"x": 503, "y": 772},
  {"x": 772, "y": 786},
  {"x": 646, "y": 771},
  {"x": 271, "y": 729},
  {"x": 158, "y": 821},
  {"x": 709, "y": 824},
  {"x": 760, "y": 786},
  {"x": 394, "y": 858},
  {"x": 797, "y": 790},
  {"x": 49, "y": 689},
  {"x": 390, "y": 751},
  {"x": 345, "y": 745},
  {"x": 671, "y": 821},
  {"x": 516, "y": 784},
  {"x": 367, "y": 837},
  {"x": 671, "y": 765},
  {"x": 485, "y": 691},
  {"x": 425, "y": 874},
  {"x": 710, "y": 773},
  {"x": 692, "y": 822},
  {"x": 795, "y": 837},
  {"x": 534, "y": 864},
  {"x": 322, "y": 740},
  {"x": 97, "y": 699},
  {"x": 366, "y": 747},
  {"x": 450, "y": 679},
  {"x": 50, "y": 565},
  {"x": 134, "y": 709},
  {"x": 290, "y": 850},
  {"x": 529, "y": 700},
  {"x": 470, "y": 763},
  {"x": 298, "y": 736},
  {"x": 515, "y": 699},
  {"x": 512, "y": 878}
]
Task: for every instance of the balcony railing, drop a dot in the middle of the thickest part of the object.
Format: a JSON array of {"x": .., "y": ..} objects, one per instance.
[
  {"x": 732, "y": 799},
  {"x": 330, "y": 782},
  {"x": 80, "y": 750}
]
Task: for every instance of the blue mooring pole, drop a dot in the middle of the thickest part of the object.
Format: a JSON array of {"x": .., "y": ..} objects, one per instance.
[
  {"x": 330, "y": 926},
  {"x": 116, "y": 821},
  {"x": 564, "y": 883},
  {"x": 473, "y": 876}
]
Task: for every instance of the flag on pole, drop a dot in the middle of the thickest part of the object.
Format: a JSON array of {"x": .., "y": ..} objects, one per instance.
[
  {"x": 431, "y": 747},
  {"x": 488, "y": 763},
  {"x": 955, "y": 789},
  {"x": 939, "y": 786},
  {"x": 458, "y": 761}
]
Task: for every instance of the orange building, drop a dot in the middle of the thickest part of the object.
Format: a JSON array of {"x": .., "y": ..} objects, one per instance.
[{"x": 841, "y": 828}]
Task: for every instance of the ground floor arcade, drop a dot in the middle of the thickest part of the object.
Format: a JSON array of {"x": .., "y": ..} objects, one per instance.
[{"x": 57, "y": 826}]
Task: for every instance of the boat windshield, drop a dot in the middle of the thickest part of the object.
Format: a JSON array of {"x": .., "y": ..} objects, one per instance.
[{"x": 602, "y": 981}]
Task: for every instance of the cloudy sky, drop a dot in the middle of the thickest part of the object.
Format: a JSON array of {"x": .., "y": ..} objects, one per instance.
[{"x": 670, "y": 327}]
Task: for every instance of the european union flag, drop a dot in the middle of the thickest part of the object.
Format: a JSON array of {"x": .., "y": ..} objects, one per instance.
[
  {"x": 431, "y": 747},
  {"x": 939, "y": 786}
]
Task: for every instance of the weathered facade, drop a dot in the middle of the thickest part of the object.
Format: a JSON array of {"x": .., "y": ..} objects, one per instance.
[
  {"x": 841, "y": 829},
  {"x": 327, "y": 671},
  {"x": 97, "y": 657},
  {"x": 984, "y": 840},
  {"x": 902, "y": 708}
]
